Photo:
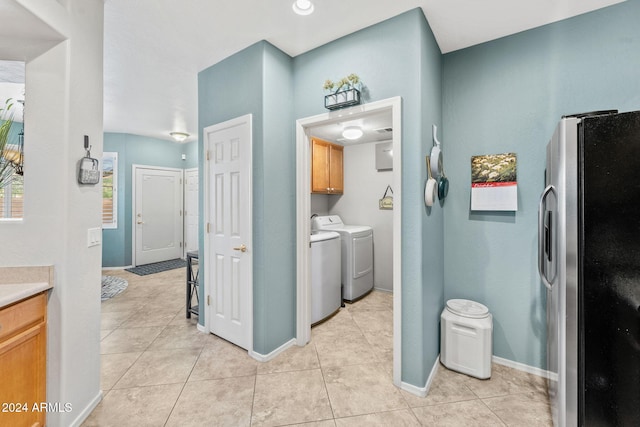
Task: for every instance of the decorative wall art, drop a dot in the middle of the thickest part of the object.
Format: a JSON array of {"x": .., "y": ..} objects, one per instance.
[{"x": 494, "y": 185}]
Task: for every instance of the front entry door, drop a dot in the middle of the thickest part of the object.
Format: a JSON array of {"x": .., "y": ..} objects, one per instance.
[
  {"x": 229, "y": 265},
  {"x": 157, "y": 214}
]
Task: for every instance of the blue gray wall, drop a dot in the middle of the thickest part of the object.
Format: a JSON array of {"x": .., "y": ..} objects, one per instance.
[
  {"x": 398, "y": 57},
  {"x": 262, "y": 80},
  {"x": 140, "y": 150},
  {"x": 257, "y": 81},
  {"x": 507, "y": 96},
  {"x": 190, "y": 149}
]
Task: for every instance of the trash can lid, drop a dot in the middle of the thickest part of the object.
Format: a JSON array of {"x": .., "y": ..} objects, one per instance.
[{"x": 467, "y": 308}]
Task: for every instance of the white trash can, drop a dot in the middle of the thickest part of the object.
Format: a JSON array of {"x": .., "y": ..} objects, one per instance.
[{"x": 466, "y": 338}]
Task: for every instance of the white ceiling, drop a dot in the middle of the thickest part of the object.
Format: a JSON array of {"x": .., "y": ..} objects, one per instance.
[
  {"x": 376, "y": 127},
  {"x": 153, "y": 49},
  {"x": 23, "y": 34}
]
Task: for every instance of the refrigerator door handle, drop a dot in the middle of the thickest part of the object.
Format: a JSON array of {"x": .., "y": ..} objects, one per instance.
[{"x": 544, "y": 238}]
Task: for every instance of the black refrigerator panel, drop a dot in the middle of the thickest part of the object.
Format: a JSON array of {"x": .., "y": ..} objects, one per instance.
[{"x": 609, "y": 274}]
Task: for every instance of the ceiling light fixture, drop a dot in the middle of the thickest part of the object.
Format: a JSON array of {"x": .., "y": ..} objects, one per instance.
[
  {"x": 179, "y": 136},
  {"x": 352, "y": 132},
  {"x": 303, "y": 7}
]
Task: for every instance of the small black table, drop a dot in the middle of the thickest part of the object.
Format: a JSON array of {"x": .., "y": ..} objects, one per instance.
[{"x": 192, "y": 284}]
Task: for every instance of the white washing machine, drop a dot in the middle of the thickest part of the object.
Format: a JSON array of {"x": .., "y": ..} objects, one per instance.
[
  {"x": 357, "y": 254},
  {"x": 326, "y": 296}
]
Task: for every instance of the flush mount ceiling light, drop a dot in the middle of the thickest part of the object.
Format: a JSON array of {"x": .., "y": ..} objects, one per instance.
[
  {"x": 303, "y": 7},
  {"x": 179, "y": 136},
  {"x": 352, "y": 132}
]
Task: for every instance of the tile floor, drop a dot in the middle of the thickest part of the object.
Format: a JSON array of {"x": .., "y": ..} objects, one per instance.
[{"x": 158, "y": 370}]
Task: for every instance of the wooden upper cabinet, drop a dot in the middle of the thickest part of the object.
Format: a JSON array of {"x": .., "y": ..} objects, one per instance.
[{"x": 327, "y": 173}]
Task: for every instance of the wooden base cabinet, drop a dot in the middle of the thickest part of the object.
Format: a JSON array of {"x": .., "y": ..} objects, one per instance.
[
  {"x": 327, "y": 170},
  {"x": 23, "y": 351}
]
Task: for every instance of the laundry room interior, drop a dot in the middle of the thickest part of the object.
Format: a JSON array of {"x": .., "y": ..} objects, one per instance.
[{"x": 366, "y": 183}]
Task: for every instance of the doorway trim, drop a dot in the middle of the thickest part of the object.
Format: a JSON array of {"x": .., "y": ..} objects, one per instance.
[
  {"x": 134, "y": 169},
  {"x": 303, "y": 220},
  {"x": 185, "y": 212}
]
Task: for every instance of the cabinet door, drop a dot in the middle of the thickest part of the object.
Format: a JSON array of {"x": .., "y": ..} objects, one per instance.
[
  {"x": 320, "y": 155},
  {"x": 336, "y": 172},
  {"x": 23, "y": 373}
]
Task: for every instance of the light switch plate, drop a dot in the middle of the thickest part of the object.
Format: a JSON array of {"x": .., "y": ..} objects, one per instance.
[{"x": 94, "y": 237}]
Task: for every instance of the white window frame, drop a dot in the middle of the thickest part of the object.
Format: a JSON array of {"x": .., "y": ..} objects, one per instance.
[
  {"x": 6, "y": 208},
  {"x": 113, "y": 156}
]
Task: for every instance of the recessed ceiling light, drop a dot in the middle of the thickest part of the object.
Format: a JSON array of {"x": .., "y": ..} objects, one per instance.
[
  {"x": 352, "y": 132},
  {"x": 303, "y": 7},
  {"x": 179, "y": 136}
]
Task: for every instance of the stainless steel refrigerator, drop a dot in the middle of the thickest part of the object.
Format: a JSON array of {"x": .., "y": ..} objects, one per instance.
[{"x": 589, "y": 261}]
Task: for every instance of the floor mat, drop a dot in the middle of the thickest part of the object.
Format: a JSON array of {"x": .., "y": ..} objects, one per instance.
[
  {"x": 112, "y": 286},
  {"x": 157, "y": 267}
]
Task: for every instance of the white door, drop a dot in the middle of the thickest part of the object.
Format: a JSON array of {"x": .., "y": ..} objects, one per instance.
[
  {"x": 228, "y": 250},
  {"x": 190, "y": 210},
  {"x": 157, "y": 214}
]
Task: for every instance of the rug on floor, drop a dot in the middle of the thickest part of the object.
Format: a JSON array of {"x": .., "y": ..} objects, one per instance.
[
  {"x": 157, "y": 267},
  {"x": 112, "y": 286}
]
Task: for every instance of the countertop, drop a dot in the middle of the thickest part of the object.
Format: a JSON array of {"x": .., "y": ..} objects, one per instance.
[
  {"x": 18, "y": 283},
  {"x": 11, "y": 293}
]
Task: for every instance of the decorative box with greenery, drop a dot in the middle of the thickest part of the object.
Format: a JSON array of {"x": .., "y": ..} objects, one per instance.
[{"x": 344, "y": 92}]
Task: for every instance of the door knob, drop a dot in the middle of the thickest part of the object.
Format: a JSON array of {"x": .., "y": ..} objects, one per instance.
[{"x": 241, "y": 248}]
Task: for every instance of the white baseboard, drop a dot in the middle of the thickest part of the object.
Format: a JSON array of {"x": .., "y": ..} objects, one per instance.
[
  {"x": 201, "y": 328},
  {"x": 422, "y": 391},
  {"x": 266, "y": 357},
  {"x": 117, "y": 268},
  {"x": 522, "y": 367},
  {"x": 84, "y": 414}
]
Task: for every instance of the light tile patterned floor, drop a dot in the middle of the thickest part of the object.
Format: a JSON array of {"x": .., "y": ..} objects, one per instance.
[{"x": 158, "y": 370}]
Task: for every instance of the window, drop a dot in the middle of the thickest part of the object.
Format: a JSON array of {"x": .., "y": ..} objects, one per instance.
[
  {"x": 11, "y": 199},
  {"x": 12, "y": 89},
  {"x": 109, "y": 190}
]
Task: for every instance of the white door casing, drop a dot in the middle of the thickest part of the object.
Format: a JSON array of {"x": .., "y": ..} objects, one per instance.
[
  {"x": 157, "y": 214},
  {"x": 228, "y": 242},
  {"x": 190, "y": 210}
]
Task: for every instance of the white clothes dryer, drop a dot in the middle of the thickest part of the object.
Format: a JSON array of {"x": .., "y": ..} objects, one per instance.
[{"x": 356, "y": 254}]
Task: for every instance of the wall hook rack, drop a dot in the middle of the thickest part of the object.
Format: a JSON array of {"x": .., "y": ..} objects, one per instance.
[
  {"x": 436, "y": 155},
  {"x": 87, "y": 147},
  {"x": 434, "y": 132}
]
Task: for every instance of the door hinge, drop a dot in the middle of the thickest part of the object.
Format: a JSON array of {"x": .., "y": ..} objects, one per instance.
[
  {"x": 180, "y": 244},
  {"x": 208, "y": 299},
  {"x": 208, "y": 151},
  {"x": 208, "y": 227}
]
